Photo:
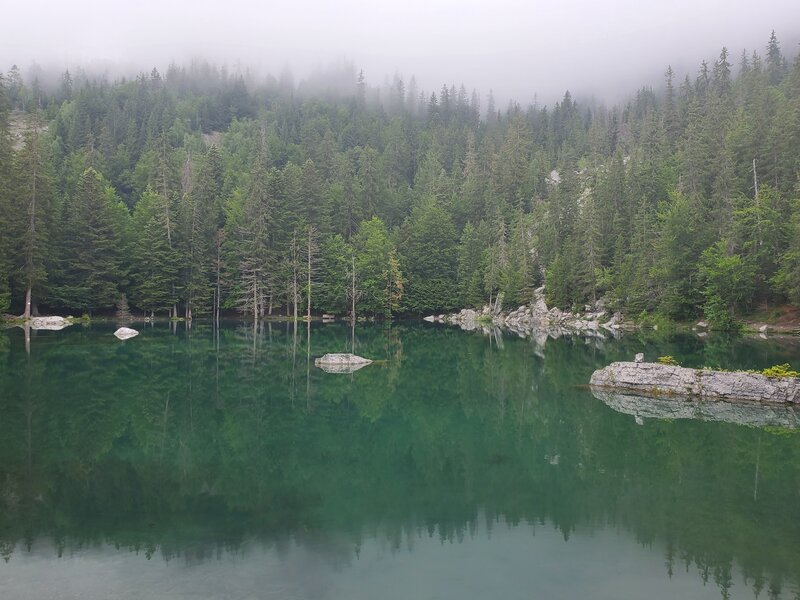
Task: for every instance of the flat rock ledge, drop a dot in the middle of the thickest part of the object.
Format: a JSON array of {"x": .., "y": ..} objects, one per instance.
[
  {"x": 341, "y": 363},
  {"x": 124, "y": 333},
  {"x": 657, "y": 380}
]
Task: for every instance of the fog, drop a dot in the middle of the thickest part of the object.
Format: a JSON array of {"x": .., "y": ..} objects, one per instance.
[{"x": 523, "y": 50}]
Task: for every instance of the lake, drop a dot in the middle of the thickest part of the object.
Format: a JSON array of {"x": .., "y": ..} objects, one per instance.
[{"x": 203, "y": 463}]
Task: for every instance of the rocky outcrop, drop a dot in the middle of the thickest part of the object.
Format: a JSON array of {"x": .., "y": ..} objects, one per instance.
[
  {"x": 49, "y": 323},
  {"x": 655, "y": 380},
  {"x": 341, "y": 363},
  {"x": 537, "y": 319},
  {"x": 125, "y": 333},
  {"x": 467, "y": 319},
  {"x": 740, "y": 413}
]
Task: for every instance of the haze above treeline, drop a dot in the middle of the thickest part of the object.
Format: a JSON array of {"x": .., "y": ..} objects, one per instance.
[{"x": 522, "y": 51}]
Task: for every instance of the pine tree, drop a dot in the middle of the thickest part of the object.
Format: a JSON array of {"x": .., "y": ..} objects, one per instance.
[
  {"x": 87, "y": 270},
  {"x": 514, "y": 157},
  {"x": 331, "y": 288},
  {"x": 249, "y": 259},
  {"x": 728, "y": 283},
  {"x": 517, "y": 276},
  {"x": 33, "y": 211},
  {"x": 471, "y": 266},
  {"x": 760, "y": 235},
  {"x": 671, "y": 121},
  {"x": 6, "y": 246},
  {"x": 430, "y": 259},
  {"x": 374, "y": 255},
  {"x": 155, "y": 262},
  {"x": 721, "y": 78},
  {"x": 787, "y": 279},
  {"x": 678, "y": 248},
  {"x": 203, "y": 218},
  {"x": 775, "y": 63},
  {"x": 470, "y": 204}
]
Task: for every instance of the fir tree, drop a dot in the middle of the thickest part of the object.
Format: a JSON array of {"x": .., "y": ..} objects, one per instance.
[
  {"x": 88, "y": 269},
  {"x": 32, "y": 212}
]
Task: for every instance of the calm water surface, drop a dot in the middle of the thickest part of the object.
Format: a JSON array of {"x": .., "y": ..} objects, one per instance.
[{"x": 201, "y": 464}]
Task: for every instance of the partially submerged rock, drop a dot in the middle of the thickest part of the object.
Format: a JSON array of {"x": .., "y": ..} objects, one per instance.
[
  {"x": 49, "y": 323},
  {"x": 341, "y": 363},
  {"x": 656, "y": 380},
  {"x": 125, "y": 333}
]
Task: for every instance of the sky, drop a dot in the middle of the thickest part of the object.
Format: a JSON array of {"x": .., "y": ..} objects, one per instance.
[{"x": 522, "y": 50}]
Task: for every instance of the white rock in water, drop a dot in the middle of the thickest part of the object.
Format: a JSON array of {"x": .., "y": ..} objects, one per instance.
[
  {"x": 124, "y": 333},
  {"x": 763, "y": 329},
  {"x": 429, "y": 319},
  {"x": 49, "y": 323},
  {"x": 341, "y": 363},
  {"x": 338, "y": 359},
  {"x": 639, "y": 357}
]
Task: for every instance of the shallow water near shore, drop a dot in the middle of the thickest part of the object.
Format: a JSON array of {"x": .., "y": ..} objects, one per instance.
[{"x": 203, "y": 463}]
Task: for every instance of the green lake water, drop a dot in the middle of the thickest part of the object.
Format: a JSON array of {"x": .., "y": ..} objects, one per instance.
[{"x": 224, "y": 464}]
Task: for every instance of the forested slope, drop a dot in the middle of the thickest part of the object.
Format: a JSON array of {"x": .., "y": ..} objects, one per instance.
[{"x": 196, "y": 190}]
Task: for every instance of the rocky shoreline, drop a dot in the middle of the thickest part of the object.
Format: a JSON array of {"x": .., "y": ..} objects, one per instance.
[{"x": 537, "y": 319}]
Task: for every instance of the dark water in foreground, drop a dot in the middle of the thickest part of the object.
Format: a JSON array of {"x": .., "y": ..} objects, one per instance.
[{"x": 196, "y": 465}]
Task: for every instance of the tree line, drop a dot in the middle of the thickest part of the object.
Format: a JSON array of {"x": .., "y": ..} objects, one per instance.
[{"x": 196, "y": 193}]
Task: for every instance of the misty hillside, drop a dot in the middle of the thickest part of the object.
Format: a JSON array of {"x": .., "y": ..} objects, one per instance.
[{"x": 194, "y": 191}]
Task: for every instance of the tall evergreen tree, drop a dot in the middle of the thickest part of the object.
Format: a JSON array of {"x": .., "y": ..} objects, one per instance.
[
  {"x": 6, "y": 243},
  {"x": 156, "y": 264},
  {"x": 376, "y": 268},
  {"x": 87, "y": 268},
  {"x": 430, "y": 259},
  {"x": 332, "y": 285},
  {"x": 33, "y": 211},
  {"x": 471, "y": 266},
  {"x": 775, "y": 62},
  {"x": 250, "y": 261},
  {"x": 202, "y": 218}
]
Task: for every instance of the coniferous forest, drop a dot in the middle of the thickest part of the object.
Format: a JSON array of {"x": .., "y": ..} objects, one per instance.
[{"x": 196, "y": 192}]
